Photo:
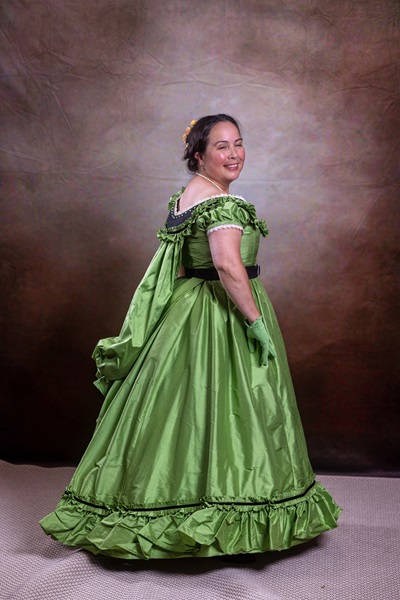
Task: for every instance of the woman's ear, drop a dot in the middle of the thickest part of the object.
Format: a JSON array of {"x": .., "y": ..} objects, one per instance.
[{"x": 199, "y": 158}]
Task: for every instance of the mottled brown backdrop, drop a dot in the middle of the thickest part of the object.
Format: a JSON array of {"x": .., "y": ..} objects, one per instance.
[{"x": 95, "y": 96}]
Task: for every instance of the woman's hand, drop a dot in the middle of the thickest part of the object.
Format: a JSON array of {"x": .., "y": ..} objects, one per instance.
[{"x": 258, "y": 331}]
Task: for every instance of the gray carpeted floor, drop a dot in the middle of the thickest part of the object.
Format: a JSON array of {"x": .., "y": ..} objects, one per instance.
[{"x": 358, "y": 561}]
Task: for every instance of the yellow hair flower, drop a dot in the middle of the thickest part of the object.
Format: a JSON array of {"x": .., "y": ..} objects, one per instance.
[{"x": 187, "y": 131}]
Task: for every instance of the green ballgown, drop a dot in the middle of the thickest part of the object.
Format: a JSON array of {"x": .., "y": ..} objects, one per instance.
[{"x": 198, "y": 450}]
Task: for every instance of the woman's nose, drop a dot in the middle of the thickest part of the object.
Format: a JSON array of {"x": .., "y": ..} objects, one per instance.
[{"x": 232, "y": 151}]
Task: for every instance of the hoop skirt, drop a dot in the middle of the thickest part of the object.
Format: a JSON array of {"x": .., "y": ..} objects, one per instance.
[{"x": 198, "y": 450}]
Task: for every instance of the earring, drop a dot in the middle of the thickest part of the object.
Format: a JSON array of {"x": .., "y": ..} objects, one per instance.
[{"x": 203, "y": 168}]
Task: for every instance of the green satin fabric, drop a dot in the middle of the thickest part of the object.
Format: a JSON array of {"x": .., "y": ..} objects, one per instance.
[
  {"x": 196, "y": 250},
  {"x": 198, "y": 450}
]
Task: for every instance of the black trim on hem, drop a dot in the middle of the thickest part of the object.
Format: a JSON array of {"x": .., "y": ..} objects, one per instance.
[{"x": 177, "y": 506}]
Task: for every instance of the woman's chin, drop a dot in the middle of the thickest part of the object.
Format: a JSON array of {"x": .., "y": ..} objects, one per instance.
[{"x": 232, "y": 174}]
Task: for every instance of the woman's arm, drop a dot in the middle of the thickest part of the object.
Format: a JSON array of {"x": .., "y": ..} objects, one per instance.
[
  {"x": 181, "y": 272},
  {"x": 225, "y": 252}
]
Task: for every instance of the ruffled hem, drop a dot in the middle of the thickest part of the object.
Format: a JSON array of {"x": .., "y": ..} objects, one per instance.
[{"x": 204, "y": 529}]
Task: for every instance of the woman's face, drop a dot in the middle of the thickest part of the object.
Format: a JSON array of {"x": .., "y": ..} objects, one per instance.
[{"x": 224, "y": 156}]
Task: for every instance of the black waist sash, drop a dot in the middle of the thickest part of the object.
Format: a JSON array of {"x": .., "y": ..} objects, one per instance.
[{"x": 211, "y": 274}]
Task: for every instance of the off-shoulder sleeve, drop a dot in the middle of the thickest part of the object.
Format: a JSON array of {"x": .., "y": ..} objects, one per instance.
[{"x": 230, "y": 213}]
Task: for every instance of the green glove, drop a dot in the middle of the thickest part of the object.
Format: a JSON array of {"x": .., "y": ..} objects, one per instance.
[{"x": 258, "y": 331}]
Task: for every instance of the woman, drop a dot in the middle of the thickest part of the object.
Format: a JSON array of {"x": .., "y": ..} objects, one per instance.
[{"x": 198, "y": 449}]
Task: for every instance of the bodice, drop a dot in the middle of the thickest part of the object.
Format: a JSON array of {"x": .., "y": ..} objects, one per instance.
[{"x": 196, "y": 249}]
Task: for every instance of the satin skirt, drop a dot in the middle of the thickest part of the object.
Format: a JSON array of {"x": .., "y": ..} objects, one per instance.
[{"x": 199, "y": 450}]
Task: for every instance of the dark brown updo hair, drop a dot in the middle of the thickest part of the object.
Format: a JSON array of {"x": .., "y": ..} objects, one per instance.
[{"x": 197, "y": 138}]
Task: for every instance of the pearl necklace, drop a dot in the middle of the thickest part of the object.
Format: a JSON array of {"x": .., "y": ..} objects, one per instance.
[{"x": 211, "y": 181}]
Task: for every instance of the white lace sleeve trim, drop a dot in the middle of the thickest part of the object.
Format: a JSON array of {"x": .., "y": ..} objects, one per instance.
[{"x": 227, "y": 226}]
